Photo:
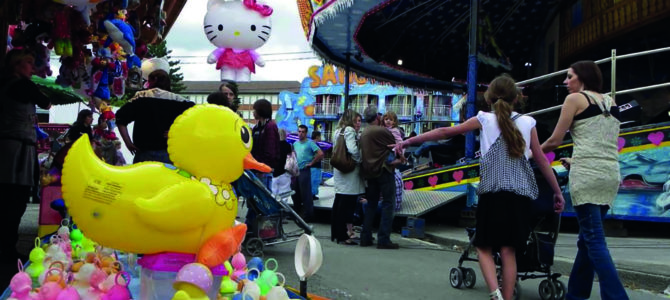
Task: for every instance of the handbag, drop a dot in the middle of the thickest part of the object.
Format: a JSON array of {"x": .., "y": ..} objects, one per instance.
[
  {"x": 291, "y": 165},
  {"x": 341, "y": 159}
]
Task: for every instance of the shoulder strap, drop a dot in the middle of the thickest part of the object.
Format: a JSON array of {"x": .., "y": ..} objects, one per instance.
[
  {"x": 588, "y": 99},
  {"x": 516, "y": 117}
]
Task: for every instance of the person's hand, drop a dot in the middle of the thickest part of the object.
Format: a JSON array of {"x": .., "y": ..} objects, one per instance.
[
  {"x": 566, "y": 162},
  {"x": 559, "y": 203},
  {"x": 132, "y": 148}
]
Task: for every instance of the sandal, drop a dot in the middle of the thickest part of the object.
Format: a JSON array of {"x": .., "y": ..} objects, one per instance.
[{"x": 496, "y": 295}]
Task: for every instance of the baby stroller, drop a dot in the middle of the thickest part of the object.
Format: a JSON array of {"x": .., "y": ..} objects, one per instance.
[
  {"x": 266, "y": 228},
  {"x": 535, "y": 261}
]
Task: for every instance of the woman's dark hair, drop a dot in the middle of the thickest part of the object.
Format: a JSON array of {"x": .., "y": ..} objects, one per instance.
[
  {"x": 263, "y": 108},
  {"x": 13, "y": 58},
  {"x": 231, "y": 85},
  {"x": 316, "y": 134},
  {"x": 160, "y": 79},
  {"x": 589, "y": 74},
  {"x": 81, "y": 117},
  {"x": 218, "y": 98}
]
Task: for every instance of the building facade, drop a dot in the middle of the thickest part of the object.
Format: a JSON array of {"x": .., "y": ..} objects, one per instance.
[{"x": 248, "y": 93}]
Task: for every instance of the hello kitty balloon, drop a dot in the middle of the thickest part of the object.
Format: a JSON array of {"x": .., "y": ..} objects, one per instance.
[{"x": 237, "y": 28}]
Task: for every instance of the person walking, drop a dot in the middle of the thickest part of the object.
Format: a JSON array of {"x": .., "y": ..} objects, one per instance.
[
  {"x": 380, "y": 179},
  {"x": 307, "y": 155},
  {"x": 18, "y": 150},
  {"x": 594, "y": 176},
  {"x": 348, "y": 186},
  {"x": 507, "y": 183},
  {"x": 266, "y": 139},
  {"x": 281, "y": 180}
]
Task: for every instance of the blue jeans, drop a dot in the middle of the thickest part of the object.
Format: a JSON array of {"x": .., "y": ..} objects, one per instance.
[
  {"x": 384, "y": 185},
  {"x": 593, "y": 257},
  {"x": 316, "y": 180}
]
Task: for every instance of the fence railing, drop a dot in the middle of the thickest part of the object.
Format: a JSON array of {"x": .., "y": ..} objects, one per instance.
[
  {"x": 402, "y": 110},
  {"x": 327, "y": 109},
  {"x": 612, "y": 59},
  {"x": 440, "y": 111}
]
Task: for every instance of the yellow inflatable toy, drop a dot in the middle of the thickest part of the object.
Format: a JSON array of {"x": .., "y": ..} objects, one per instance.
[{"x": 153, "y": 207}]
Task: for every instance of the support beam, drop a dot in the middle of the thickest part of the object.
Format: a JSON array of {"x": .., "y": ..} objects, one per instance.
[
  {"x": 347, "y": 70},
  {"x": 472, "y": 79}
]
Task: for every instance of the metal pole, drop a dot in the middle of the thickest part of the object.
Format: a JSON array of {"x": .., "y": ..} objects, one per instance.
[
  {"x": 472, "y": 78},
  {"x": 613, "y": 76},
  {"x": 347, "y": 70}
]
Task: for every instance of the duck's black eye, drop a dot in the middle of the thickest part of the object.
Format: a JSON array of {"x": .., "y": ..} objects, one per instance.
[
  {"x": 220, "y": 27},
  {"x": 253, "y": 27},
  {"x": 246, "y": 137}
]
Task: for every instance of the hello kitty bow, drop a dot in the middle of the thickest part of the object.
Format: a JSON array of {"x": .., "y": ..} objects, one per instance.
[{"x": 263, "y": 9}]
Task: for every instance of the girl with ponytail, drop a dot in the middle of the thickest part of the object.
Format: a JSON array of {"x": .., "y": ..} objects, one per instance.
[{"x": 507, "y": 183}]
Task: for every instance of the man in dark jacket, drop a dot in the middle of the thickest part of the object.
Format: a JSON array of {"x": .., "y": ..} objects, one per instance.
[
  {"x": 375, "y": 141},
  {"x": 153, "y": 111}
]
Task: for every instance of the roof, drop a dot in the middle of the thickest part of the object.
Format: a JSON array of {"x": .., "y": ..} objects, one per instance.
[{"x": 252, "y": 87}]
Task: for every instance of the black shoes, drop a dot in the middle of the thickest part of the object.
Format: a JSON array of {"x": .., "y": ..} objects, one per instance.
[
  {"x": 365, "y": 243},
  {"x": 389, "y": 245}
]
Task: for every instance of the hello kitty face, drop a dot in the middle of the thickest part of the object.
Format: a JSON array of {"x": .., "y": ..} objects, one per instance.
[{"x": 237, "y": 24}]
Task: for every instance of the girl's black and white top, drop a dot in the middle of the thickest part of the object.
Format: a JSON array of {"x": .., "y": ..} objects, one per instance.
[{"x": 499, "y": 171}]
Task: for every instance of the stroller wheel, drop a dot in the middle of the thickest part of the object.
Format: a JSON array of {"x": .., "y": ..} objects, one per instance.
[
  {"x": 469, "y": 277},
  {"x": 547, "y": 290},
  {"x": 559, "y": 288},
  {"x": 254, "y": 247},
  {"x": 456, "y": 277}
]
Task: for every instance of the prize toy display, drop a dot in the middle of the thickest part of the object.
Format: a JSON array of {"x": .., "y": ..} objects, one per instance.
[{"x": 237, "y": 29}]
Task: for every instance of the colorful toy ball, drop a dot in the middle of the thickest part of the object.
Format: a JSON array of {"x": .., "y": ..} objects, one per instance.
[
  {"x": 238, "y": 261},
  {"x": 255, "y": 263},
  {"x": 196, "y": 274}
]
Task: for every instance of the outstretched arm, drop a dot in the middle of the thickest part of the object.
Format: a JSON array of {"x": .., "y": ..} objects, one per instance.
[{"x": 440, "y": 133}]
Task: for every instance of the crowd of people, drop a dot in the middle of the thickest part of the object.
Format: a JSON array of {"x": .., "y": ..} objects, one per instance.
[{"x": 508, "y": 141}]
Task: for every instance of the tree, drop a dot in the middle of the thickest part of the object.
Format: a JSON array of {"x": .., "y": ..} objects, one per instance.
[{"x": 176, "y": 77}]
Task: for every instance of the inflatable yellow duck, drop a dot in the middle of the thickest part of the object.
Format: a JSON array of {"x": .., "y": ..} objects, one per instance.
[{"x": 153, "y": 207}]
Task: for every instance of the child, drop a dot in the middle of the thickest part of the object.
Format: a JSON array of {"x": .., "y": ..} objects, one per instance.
[
  {"x": 507, "y": 182},
  {"x": 391, "y": 123}
]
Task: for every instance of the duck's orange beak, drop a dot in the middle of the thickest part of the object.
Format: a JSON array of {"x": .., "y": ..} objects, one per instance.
[{"x": 251, "y": 163}]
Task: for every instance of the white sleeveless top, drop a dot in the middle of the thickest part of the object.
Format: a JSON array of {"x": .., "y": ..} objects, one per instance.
[{"x": 490, "y": 130}]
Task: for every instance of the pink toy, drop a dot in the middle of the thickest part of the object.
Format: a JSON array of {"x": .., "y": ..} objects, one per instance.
[
  {"x": 238, "y": 262},
  {"x": 69, "y": 293},
  {"x": 50, "y": 289},
  {"x": 21, "y": 285},
  {"x": 237, "y": 29},
  {"x": 196, "y": 274},
  {"x": 119, "y": 291}
]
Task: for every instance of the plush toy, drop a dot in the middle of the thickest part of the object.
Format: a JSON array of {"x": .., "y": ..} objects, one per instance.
[
  {"x": 237, "y": 28},
  {"x": 61, "y": 33},
  {"x": 83, "y": 6}
]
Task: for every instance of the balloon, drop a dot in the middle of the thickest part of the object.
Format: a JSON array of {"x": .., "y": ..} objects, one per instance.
[
  {"x": 153, "y": 207},
  {"x": 237, "y": 28}
]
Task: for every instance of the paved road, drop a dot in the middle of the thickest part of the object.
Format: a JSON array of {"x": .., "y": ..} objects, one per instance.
[{"x": 419, "y": 270}]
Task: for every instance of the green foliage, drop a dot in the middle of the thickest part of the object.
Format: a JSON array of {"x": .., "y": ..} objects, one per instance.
[{"x": 176, "y": 77}]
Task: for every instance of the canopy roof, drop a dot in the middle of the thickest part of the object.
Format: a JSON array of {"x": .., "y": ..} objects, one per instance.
[{"x": 429, "y": 36}]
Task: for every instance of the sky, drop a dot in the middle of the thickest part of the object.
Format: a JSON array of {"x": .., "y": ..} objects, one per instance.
[{"x": 189, "y": 44}]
